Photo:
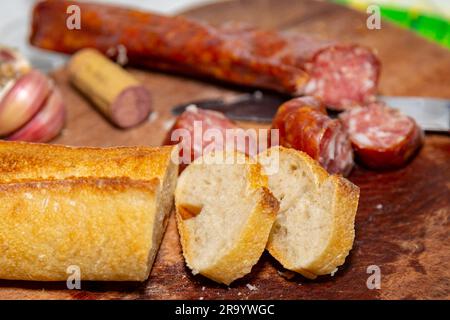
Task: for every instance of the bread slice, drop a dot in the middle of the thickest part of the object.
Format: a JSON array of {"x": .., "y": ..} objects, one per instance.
[
  {"x": 314, "y": 230},
  {"x": 225, "y": 213},
  {"x": 145, "y": 176}
]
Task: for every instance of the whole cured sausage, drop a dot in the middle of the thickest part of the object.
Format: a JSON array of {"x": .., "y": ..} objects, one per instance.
[
  {"x": 200, "y": 131},
  {"x": 305, "y": 126},
  {"x": 341, "y": 75},
  {"x": 382, "y": 137}
]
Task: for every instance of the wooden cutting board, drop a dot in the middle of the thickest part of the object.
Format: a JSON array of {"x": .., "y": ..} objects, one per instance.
[{"x": 403, "y": 220}]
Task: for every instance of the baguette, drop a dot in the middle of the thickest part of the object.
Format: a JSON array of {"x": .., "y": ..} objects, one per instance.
[
  {"x": 22, "y": 160},
  {"x": 224, "y": 213},
  {"x": 314, "y": 230},
  {"x": 104, "y": 210}
]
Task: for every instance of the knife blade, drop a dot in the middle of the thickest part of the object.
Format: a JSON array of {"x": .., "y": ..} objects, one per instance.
[
  {"x": 432, "y": 114},
  {"x": 255, "y": 107}
]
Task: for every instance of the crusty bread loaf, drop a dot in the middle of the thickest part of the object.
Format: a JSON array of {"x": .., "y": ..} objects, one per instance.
[
  {"x": 22, "y": 160},
  {"x": 314, "y": 230},
  {"x": 225, "y": 213},
  {"x": 104, "y": 210},
  {"x": 103, "y": 226}
]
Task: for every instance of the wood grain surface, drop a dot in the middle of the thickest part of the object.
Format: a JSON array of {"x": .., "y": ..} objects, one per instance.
[{"x": 403, "y": 220}]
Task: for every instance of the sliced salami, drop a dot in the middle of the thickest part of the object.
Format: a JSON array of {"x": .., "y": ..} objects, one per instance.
[
  {"x": 382, "y": 137},
  {"x": 343, "y": 76},
  {"x": 200, "y": 131},
  {"x": 305, "y": 126}
]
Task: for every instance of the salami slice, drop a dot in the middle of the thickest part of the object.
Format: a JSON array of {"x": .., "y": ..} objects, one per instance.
[
  {"x": 382, "y": 137},
  {"x": 341, "y": 75},
  {"x": 200, "y": 131},
  {"x": 305, "y": 126}
]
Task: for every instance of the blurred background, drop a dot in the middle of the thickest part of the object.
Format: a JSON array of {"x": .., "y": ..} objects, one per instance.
[{"x": 429, "y": 18}]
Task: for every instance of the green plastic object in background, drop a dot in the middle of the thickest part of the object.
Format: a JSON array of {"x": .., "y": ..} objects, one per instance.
[{"x": 433, "y": 27}]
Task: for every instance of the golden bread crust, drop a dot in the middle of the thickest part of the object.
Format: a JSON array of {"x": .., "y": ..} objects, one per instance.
[
  {"x": 102, "y": 226},
  {"x": 21, "y": 160},
  {"x": 113, "y": 201},
  {"x": 252, "y": 240},
  {"x": 345, "y": 197}
]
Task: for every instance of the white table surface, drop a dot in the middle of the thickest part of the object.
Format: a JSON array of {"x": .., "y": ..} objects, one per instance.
[{"x": 15, "y": 22}]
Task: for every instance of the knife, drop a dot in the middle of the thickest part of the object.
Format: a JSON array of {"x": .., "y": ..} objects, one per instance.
[{"x": 432, "y": 114}]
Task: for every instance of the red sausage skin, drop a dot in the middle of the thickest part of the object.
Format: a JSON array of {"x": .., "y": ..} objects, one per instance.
[{"x": 305, "y": 126}]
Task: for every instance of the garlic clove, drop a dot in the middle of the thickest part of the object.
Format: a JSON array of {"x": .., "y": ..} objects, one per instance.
[
  {"x": 46, "y": 124},
  {"x": 26, "y": 96}
]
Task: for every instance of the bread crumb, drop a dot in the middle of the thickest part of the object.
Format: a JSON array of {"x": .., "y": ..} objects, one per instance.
[
  {"x": 251, "y": 288},
  {"x": 201, "y": 298},
  {"x": 379, "y": 206},
  {"x": 333, "y": 272},
  {"x": 153, "y": 116},
  {"x": 203, "y": 288},
  {"x": 239, "y": 293},
  {"x": 286, "y": 274}
]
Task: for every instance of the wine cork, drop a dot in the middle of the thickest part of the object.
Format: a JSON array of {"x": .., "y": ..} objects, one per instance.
[{"x": 114, "y": 91}]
